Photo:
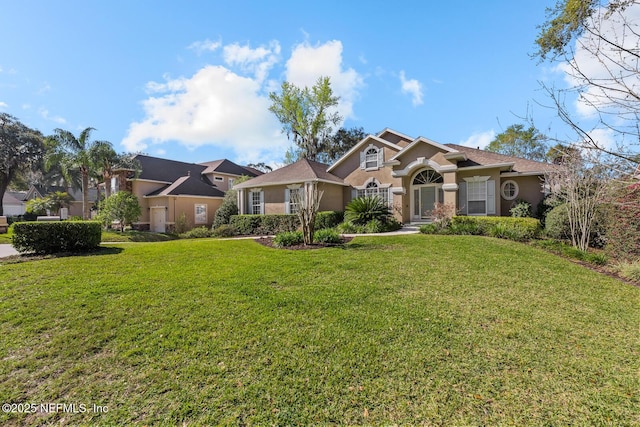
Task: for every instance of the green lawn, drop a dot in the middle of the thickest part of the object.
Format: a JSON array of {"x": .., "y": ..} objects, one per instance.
[{"x": 427, "y": 330}]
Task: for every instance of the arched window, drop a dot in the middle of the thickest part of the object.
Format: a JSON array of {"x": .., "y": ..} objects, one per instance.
[
  {"x": 428, "y": 176},
  {"x": 373, "y": 189},
  {"x": 371, "y": 158}
]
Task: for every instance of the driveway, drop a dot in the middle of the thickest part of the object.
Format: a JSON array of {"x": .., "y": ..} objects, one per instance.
[{"x": 7, "y": 250}]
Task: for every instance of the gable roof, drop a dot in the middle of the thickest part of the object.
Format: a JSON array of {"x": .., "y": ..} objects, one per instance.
[
  {"x": 366, "y": 140},
  {"x": 8, "y": 199},
  {"x": 187, "y": 186},
  {"x": 405, "y": 138},
  {"x": 228, "y": 167},
  {"x": 477, "y": 157},
  {"x": 303, "y": 170},
  {"x": 420, "y": 140},
  {"x": 163, "y": 170}
]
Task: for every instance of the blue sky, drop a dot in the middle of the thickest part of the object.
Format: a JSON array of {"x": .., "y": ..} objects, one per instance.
[{"x": 190, "y": 80}]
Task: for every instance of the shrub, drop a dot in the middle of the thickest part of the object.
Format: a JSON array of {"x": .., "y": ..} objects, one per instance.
[
  {"x": 519, "y": 229},
  {"x": 123, "y": 207},
  {"x": 349, "y": 228},
  {"x": 362, "y": 210},
  {"x": 224, "y": 230},
  {"x": 327, "y": 235},
  {"x": 557, "y": 225},
  {"x": 328, "y": 219},
  {"x": 56, "y": 237},
  {"x": 224, "y": 213},
  {"x": 182, "y": 224},
  {"x": 263, "y": 224},
  {"x": 196, "y": 233},
  {"x": 430, "y": 229},
  {"x": 624, "y": 224},
  {"x": 288, "y": 238},
  {"x": 520, "y": 209}
]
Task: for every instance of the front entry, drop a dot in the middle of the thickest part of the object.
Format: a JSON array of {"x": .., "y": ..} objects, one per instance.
[
  {"x": 426, "y": 191},
  {"x": 158, "y": 219}
]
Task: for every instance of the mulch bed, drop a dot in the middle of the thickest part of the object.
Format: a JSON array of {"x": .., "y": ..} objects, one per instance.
[{"x": 268, "y": 241}]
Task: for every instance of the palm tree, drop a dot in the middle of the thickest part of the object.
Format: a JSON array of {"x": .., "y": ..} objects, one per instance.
[
  {"x": 75, "y": 154},
  {"x": 104, "y": 157}
]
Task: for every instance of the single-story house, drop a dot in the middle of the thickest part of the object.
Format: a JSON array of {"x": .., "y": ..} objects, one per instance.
[
  {"x": 75, "y": 207},
  {"x": 411, "y": 174},
  {"x": 13, "y": 203},
  {"x": 167, "y": 189}
]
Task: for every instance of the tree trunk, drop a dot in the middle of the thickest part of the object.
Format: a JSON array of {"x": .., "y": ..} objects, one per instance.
[
  {"x": 107, "y": 184},
  {"x": 85, "y": 195}
]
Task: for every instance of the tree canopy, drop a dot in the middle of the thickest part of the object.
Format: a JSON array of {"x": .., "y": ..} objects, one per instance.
[
  {"x": 517, "y": 141},
  {"x": 307, "y": 115},
  {"x": 597, "y": 44},
  {"x": 21, "y": 148}
]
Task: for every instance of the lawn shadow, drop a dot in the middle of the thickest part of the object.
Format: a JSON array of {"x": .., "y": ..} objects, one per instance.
[{"x": 100, "y": 251}]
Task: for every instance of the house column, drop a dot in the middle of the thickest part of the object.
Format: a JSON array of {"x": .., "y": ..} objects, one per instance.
[
  {"x": 241, "y": 198},
  {"x": 450, "y": 188}
]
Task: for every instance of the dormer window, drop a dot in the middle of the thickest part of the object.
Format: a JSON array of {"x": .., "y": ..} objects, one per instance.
[{"x": 371, "y": 158}]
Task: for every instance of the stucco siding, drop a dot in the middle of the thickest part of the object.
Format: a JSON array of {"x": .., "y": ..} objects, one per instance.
[{"x": 529, "y": 189}]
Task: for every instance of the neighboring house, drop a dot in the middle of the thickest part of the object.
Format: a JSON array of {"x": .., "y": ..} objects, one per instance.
[
  {"x": 411, "y": 174},
  {"x": 13, "y": 203},
  {"x": 167, "y": 189},
  {"x": 75, "y": 207}
]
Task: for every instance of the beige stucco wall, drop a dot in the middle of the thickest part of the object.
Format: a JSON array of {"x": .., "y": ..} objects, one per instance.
[
  {"x": 422, "y": 150},
  {"x": 395, "y": 139},
  {"x": 274, "y": 198},
  {"x": 530, "y": 189},
  {"x": 176, "y": 205},
  {"x": 221, "y": 185}
]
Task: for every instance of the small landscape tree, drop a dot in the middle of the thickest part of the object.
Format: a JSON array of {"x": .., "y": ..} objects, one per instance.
[
  {"x": 307, "y": 201},
  {"x": 122, "y": 207}
]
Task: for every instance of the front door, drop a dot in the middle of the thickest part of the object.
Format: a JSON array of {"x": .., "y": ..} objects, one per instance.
[
  {"x": 158, "y": 219},
  {"x": 424, "y": 201}
]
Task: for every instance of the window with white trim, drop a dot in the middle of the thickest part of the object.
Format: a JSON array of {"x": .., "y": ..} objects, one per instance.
[
  {"x": 256, "y": 202},
  {"x": 509, "y": 190},
  {"x": 373, "y": 189},
  {"x": 231, "y": 182},
  {"x": 371, "y": 158},
  {"x": 291, "y": 207},
  {"x": 477, "y": 197},
  {"x": 200, "y": 214}
]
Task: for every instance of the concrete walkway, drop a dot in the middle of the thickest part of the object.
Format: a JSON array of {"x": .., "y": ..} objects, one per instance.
[{"x": 7, "y": 250}]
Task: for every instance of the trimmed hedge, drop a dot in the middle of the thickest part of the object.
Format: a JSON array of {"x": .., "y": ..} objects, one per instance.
[
  {"x": 55, "y": 237},
  {"x": 273, "y": 224},
  {"x": 520, "y": 229}
]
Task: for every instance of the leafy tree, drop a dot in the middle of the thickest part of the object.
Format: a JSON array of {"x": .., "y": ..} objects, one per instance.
[
  {"x": 560, "y": 153},
  {"x": 76, "y": 154},
  {"x": 54, "y": 202},
  {"x": 262, "y": 167},
  {"x": 517, "y": 141},
  {"x": 21, "y": 148},
  {"x": 38, "y": 205},
  {"x": 306, "y": 115},
  {"x": 122, "y": 207},
  {"x": 596, "y": 43},
  {"x": 341, "y": 142}
]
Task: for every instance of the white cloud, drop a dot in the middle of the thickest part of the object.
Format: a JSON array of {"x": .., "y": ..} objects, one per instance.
[
  {"x": 307, "y": 63},
  {"x": 479, "y": 139},
  {"x": 213, "y": 107},
  {"x": 205, "y": 46},
  {"x": 161, "y": 151},
  {"x": 44, "y": 113},
  {"x": 3, "y": 104},
  {"x": 256, "y": 61},
  {"x": 412, "y": 87},
  {"x": 226, "y": 105}
]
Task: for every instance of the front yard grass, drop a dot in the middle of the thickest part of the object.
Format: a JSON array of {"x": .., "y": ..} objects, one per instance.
[{"x": 419, "y": 330}]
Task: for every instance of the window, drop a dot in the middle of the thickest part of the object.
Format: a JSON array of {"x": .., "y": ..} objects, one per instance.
[
  {"x": 371, "y": 158},
  {"x": 256, "y": 202},
  {"x": 231, "y": 182},
  {"x": 428, "y": 176},
  {"x": 509, "y": 190},
  {"x": 200, "y": 214},
  {"x": 477, "y": 197},
  {"x": 290, "y": 196},
  {"x": 218, "y": 178},
  {"x": 373, "y": 189}
]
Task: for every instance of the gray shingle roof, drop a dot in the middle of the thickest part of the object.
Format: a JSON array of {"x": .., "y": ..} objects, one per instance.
[
  {"x": 188, "y": 185},
  {"x": 476, "y": 157},
  {"x": 301, "y": 171}
]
